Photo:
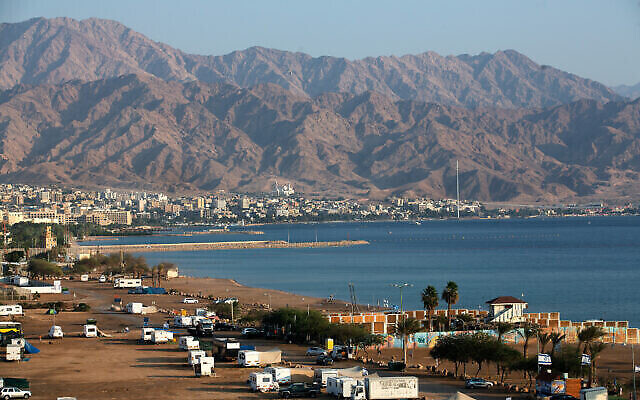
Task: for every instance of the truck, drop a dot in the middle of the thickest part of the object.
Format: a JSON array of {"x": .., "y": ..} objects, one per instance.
[
  {"x": 226, "y": 348},
  {"x": 596, "y": 393},
  {"x": 121, "y": 283},
  {"x": 252, "y": 358},
  {"x": 262, "y": 382},
  {"x": 202, "y": 328},
  {"x": 387, "y": 388},
  {"x": 341, "y": 386},
  {"x": 12, "y": 309}
]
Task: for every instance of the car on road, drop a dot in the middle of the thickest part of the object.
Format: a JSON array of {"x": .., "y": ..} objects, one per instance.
[
  {"x": 298, "y": 390},
  {"x": 316, "y": 351},
  {"x": 14, "y": 393},
  {"x": 324, "y": 360},
  {"x": 190, "y": 300},
  {"x": 474, "y": 383},
  {"x": 102, "y": 279}
]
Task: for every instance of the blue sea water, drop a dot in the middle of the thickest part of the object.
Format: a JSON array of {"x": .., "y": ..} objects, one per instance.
[{"x": 584, "y": 268}]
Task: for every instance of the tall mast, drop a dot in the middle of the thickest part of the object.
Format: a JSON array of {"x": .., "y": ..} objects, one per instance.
[{"x": 457, "y": 190}]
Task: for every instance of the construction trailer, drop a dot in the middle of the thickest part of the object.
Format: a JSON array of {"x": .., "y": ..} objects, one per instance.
[
  {"x": 188, "y": 343},
  {"x": 194, "y": 357},
  {"x": 204, "y": 367},
  {"x": 262, "y": 382},
  {"x": 161, "y": 336}
]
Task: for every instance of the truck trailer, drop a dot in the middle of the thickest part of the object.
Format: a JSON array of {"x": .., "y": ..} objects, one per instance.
[{"x": 387, "y": 388}]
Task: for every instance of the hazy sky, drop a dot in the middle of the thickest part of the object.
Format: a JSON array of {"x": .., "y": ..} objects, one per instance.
[{"x": 598, "y": 39}]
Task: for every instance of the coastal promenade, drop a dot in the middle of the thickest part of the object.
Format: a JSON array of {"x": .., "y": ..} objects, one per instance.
[{"x": 252, "y": 244}]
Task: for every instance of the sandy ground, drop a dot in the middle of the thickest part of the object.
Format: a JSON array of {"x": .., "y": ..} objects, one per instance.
[{"x": 120, "y": 368}]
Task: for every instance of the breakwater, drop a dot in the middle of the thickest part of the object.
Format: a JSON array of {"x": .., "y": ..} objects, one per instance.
[{"x": 252, "y": 244}]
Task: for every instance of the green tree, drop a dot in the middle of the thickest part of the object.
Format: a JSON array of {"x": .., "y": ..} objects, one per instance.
[
  {"x": 451, "y": 296},
  {"x": 368, "y": 341},
  {"x": 588, "y": 335},
  {"x": 43, "y": 268},
  {"x": 430, "y": 302},
  {"x": 406, "y": 327},
  {"x": 502, "y": 328},
  {"x": 14, "y": 256}
]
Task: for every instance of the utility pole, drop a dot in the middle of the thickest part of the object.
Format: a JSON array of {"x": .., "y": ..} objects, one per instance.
[
  {"x": 633, "y": 369},
  {"x": 457, "y": 190}
]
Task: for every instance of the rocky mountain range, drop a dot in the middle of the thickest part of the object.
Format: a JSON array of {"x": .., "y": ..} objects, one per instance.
[
  {"x": 141, "y": 131},
  {"x": 52, "y": 51},
  {"x": 629, "y": 91}
]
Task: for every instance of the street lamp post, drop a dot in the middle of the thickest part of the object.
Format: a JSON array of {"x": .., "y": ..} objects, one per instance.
[
  {"x": 269, "y": 294},
  {"x": 402, "y": 286}
]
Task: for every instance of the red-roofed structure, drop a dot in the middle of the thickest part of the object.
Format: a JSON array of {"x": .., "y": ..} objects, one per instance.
[{"x": 506, "y": 309}]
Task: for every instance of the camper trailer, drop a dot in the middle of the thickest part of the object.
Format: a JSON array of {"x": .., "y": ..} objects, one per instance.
[
  {"x": 391, "y": 387},
  {"x": 147, "y": 335},
  {"x": 90, "y": 330},
  {"x": 252, "y": 358},
  {"x": 134, "y": 308},
  {"x": 321, "y": 375},
  {"x": 14, "y": 309},
  {"x": 263, "y": 382},
  {"x": 14, "y": 352},
  {"x": 204, "y": 367},
  {"x": 188, "y": 343},
  {"x": 182, "y": 321},
  {"x": 195, "y": 356},
  {"x": 121, "y": 283},
  {"x": 280, "y": 374},
  {"x": 84, "y": 278},
  {"x": 161, "y": 336},
  {"x": 341, "y": 386},
  {"x": 55, "y": 332},
  {"x": 226, "y": 348}
]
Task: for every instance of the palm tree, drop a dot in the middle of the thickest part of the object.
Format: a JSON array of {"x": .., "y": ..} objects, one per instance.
[
  {"x": 441, "y": 320},
  {"x": 589, "y": 335},
  {"x": 503, "y": 328},
  {"x": 594, "y": 351},
  {"x": 527, "y": 332},
  {"x": 407, "y": 327},
  {"x": 430, "y": 302},
  {"x": 556, "y": 338},
  {"x": 543, "y": 339},
  {"x": 451, "y": 296}
]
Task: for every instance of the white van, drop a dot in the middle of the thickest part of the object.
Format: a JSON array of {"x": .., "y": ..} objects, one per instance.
[
  {"x": 90, "y": 330},
  {"x": 263, "y": 382},
  {"x": 13, "y": 309},
  {"x": 55, "y": 332},
  {"x": 280, "y": 374}
]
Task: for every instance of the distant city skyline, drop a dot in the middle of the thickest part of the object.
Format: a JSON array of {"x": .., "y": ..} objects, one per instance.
[{"x": 590, "y": 38}]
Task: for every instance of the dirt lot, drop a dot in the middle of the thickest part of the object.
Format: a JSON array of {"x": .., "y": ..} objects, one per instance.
[{"x": 118, "y": 367}]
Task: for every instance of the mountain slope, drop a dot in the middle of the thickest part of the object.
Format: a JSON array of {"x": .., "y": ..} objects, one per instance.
[
  {"x": 51, "y": 51},
  {"x": 141, "y": 131}
]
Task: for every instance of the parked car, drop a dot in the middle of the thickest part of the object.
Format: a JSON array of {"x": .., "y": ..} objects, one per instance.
[
  {"x": 562, "y": 397},
  {"x": 102, "y": 279},
  {"x": 224, "y": 326},
  {"x": 14, "y": 393},
  {"x": 190, "y": 300},
  {"x": 251, "y": 332},
  {"x": 324, "y": 360},
  {"x": 298, "y": 390},
  {"x": 477, "y": 383},
  {"x": 316, "y": 351}
]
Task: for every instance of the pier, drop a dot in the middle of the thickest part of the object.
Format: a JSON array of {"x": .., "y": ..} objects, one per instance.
[{"x": 252, "y": 244}]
